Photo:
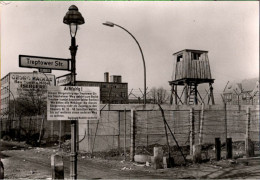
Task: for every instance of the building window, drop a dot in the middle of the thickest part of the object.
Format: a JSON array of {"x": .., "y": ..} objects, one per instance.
[
  {"x": 195, "y": 56},
  {"x": 180, "y": 58},
  {"x": 123, "y": 94}
]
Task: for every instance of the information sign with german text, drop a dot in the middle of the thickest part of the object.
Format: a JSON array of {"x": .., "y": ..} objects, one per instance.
[
  {"x": 43, "y": 62},
  {"x": 73, "y": 103}
]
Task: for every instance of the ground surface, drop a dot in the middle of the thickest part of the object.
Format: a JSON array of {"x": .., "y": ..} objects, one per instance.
[{"x": 21, "y": 161}]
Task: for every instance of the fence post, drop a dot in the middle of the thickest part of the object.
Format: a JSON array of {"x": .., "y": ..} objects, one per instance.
[
  {"x": 147, "y": 141},
  {"x": 132, "y": 149},
  {"x": 225, "y": 119},
  {"x": 88, "y": 135},
  {"x": 249, "y": 146},
  {"x": 1, "y": 169},
  {"x": 201, "y": 125},
  {"x": 192, "y": 138},
  {"x": 57, "y": 167},
  {"x": 226, "y": 126},
  {"x": 229, "y": 148},
  {"x": 118, "y": 139},
  {"x": 218, "y": 148},
  {"x": 247, "y": 128},
  {"x": 125, "y": 135}
]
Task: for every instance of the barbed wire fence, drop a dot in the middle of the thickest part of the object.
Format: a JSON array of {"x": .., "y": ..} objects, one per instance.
[
  {"x": 135, "y": 96},
  {"x": 120, "y": 129}
]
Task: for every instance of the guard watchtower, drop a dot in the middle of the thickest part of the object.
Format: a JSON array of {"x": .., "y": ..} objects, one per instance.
[{"x": 191, "y": 69}]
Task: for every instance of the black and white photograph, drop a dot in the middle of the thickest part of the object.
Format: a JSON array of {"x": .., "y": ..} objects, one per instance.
[{"x": 129, "y": 90}]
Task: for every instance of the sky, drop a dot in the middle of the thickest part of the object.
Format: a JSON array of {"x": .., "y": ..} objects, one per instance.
[{"x": 228, "y": 30}]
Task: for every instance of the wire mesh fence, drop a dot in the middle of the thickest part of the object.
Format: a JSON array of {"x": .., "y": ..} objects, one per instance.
[{"x": 115, "y": 129}]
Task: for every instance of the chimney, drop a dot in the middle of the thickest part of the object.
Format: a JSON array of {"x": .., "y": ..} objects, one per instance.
[
  {"x": 119, "y": 79},
  {"x": 106, "y": 77}
]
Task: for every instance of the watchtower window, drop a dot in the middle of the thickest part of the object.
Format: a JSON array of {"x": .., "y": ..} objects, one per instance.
[
  {"x": 195, "y": 56},
  {"x": 179, "y": 58}
]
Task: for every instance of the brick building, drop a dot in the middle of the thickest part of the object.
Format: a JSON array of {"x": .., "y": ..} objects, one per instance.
[{"x": 112, "y": 90}]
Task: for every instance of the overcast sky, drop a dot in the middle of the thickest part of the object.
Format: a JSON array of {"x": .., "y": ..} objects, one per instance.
[{"x": 228, "y": 30}]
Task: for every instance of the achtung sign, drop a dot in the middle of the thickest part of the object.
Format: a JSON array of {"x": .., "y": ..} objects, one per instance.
[
  {"x": 43, "y": 62},
  {"x": 73, "y": 103}
]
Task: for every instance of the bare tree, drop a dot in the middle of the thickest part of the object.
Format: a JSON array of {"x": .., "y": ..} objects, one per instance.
[
  {"x": 32, "y": 101},
  {"x": 159, "y": 95}
]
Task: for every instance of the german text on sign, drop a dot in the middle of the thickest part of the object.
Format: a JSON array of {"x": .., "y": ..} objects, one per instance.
[
  {"x": 43, "y": 62},
  {"x": 63, "y": 80},
  {"x": 73, "y": 103}
]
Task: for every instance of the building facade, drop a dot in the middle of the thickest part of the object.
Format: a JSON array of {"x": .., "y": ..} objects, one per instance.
[
  {"x": 112, "y": 91},
  {"x": 244, "y": 93},
  {"x": 17, "y": 84}
]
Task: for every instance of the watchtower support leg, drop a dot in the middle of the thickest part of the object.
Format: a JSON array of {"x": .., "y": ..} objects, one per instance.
[
  {"x": 196, "y": 94},
  {"x": 211, "y": 93},
  {"x": 176, "y": 95},
  {"x": 171, "y": 98},
  {"x": 186, "y": 94}
]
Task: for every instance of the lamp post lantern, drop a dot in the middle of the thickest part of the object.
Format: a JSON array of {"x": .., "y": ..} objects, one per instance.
[
  {"x": 73, "y": 18},
  {"x": 110, "y": 24}
]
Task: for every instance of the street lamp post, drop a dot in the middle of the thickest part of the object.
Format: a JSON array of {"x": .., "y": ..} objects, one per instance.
[
  {"x": 73, "y": 18},
  {"x": 110, "y": 24}
]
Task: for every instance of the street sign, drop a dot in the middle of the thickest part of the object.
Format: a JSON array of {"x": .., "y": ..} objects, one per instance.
[
  {"x": 43, "y": 62},
  {"x": 63, "y": 80},
  {"x": 45, "y": 70},
  {"x": 72, "y": 103}
]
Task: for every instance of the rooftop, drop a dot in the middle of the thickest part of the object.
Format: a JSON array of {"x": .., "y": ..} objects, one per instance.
[{"x": 191, "y": 50}]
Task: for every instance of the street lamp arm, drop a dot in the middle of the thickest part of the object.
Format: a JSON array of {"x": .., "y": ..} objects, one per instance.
[
  {"x": 142, "y": 57},
  {"x": 134, "y": 39}
]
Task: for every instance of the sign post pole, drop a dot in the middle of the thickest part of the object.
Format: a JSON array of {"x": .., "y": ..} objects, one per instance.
[
  {"x": 73, "y": 18},
  {"x": 73, "y": 103},
  {"x": 73, "y": 51}
]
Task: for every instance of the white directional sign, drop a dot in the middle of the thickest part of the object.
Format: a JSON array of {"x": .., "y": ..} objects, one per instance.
[
  {"x": 73, "y": 103},
  {"x": 45, "y": 70},
  {"x": 43, "y": 62},
  {"x": 63, "y": 80}
]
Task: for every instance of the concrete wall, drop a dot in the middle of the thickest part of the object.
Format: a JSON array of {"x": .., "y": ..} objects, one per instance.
[{"x": 108, "y": 132}]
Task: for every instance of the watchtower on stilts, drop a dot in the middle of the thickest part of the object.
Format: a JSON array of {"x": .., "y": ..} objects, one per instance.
[{"x": 191, "y": 69}]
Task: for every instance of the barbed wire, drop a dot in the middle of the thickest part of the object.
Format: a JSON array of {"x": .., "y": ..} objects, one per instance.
[{"x": 150, "y": 126}]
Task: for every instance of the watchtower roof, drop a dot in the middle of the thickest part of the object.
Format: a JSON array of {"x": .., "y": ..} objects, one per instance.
[{"x": 191, "y": 50}]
